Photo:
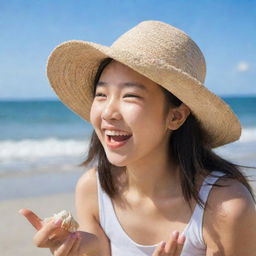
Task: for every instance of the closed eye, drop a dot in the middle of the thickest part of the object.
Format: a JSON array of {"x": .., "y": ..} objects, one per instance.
[
  {"x": 131, "y": 95},
  {"x": 99, "y": 95},
  {"x": 125, "y": 96}
]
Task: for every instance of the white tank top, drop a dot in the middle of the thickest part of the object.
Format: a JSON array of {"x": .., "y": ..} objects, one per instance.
[{"x": 122, "y": 244}]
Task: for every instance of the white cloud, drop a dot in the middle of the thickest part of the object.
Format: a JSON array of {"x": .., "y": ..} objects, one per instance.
[{"x": 242, "y": 66}]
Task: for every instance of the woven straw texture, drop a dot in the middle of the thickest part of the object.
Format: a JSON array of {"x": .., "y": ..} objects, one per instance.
[{"x": 157, "y": 50}]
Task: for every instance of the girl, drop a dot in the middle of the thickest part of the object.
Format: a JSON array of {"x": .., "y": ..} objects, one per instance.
[{"x": 155, "y": 125}]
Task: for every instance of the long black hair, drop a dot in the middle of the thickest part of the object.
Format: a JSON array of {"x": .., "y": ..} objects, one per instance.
[{"x": 188, "y": 147}]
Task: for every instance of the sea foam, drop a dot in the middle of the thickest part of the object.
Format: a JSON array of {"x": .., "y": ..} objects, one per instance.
[
  {"x": 33, "y": 149},
  {"x": 52, "y": 147}
]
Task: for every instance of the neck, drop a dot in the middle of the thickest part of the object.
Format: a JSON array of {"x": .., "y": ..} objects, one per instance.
[{"x": 155, "y": 177}]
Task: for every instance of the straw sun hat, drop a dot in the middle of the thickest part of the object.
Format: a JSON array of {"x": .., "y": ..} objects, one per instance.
[{"x": 157, "y": 50}]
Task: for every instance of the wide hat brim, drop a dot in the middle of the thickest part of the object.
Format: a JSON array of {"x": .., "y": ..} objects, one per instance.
[{"x": 72, "y": 67}]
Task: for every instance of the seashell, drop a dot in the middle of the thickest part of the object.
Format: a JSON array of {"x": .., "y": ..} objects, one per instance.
[{"x": 68, "y": 222}]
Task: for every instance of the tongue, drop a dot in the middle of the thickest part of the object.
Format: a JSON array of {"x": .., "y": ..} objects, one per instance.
[{"x": 120, "y": 138}]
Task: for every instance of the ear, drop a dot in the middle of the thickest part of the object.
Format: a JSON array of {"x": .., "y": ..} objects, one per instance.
[{"x": 177, "y": 116}]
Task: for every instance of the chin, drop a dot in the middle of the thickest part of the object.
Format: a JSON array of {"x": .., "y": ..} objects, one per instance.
[{"x": 117, "y": 161}]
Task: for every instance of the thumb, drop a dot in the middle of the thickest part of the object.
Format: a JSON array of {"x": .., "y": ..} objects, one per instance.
[{"x": 32, "y": 218}]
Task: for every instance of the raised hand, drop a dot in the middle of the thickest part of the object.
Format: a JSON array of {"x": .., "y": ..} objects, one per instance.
[
  {"x": 58, "y": 240},
  {"x": 173, "y": 247}
]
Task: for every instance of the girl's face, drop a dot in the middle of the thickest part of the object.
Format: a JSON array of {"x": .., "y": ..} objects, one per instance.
[{"x": 128, "y": 115}]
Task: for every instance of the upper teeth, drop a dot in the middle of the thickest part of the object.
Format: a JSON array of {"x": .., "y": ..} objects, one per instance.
[{"x": 116, "y": 133}]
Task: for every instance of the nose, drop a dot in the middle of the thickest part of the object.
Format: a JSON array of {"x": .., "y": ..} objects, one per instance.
[{"x": 111, "y": 111}]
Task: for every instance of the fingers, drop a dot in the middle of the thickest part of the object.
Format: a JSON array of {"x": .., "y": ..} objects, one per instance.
[
  {"x": 48, "y": 235},
  {"x": 160, "y": 249},
  {"x": 69, "y": 246},
  {"x": 180, "y": 244},
  {"x": 173, "y": 247},
  {"x": 76, "y": 246},
  {"x": 32, "y": 218},
  {"x": 41, "y": 238}
]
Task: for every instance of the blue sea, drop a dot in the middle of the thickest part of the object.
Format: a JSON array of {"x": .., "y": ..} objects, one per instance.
[{"x": 44, "y": 137}]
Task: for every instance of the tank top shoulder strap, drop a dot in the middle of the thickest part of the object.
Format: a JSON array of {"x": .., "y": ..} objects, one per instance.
[
  {"x": 107, "y": 215},
  {"x": 196, "y": 227},
  {"x": 207, "y": 184},
  {"x": 101, "y": 204}
]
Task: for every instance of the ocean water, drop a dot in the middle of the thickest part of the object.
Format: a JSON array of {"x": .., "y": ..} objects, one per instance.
[{"x": 40, "y": 137}]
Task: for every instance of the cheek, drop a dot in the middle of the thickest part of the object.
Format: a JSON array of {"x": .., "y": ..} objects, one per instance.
[
  {"x": 95, "y": 116},
  {"x": 132, "y": 114},
  {"x": 144, "y": 116},
  {"x": 148, "y": 123}
]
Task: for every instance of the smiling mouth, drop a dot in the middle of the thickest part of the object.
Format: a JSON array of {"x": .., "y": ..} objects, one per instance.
[
  {"x": 117, "y": 141},
  {"x": 119, "y": 138}
]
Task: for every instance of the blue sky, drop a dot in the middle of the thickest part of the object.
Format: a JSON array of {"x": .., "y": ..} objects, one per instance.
[{"x": 224, "y": 30}]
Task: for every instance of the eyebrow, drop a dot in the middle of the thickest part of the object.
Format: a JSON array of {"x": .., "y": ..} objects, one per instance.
[{"x": 125, "y": 84}]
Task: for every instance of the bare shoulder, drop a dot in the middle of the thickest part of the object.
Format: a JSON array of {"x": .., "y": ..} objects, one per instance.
[
  {"x": 86, "y": 192},
  {"x": 230, "y": 199},
  {"x": 88, "y": 181},
  {"x": 88, "y": 210},
  {"x": 230, "y": 219},
  {"x": 88, "y": 177}
]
